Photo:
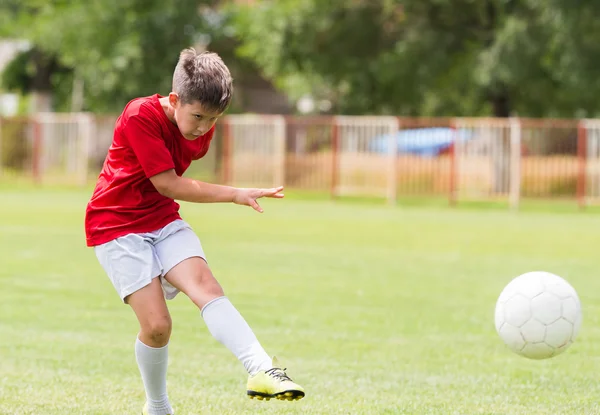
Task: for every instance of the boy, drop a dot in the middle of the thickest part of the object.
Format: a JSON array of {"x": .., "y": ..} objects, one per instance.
[{"x": 148, "y": 251}]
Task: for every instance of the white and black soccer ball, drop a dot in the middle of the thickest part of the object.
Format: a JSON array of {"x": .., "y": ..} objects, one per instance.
[{"x": 538, "y": 315}]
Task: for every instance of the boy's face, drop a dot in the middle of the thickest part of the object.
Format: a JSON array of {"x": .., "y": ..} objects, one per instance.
[{"x": 192, "y": 119}]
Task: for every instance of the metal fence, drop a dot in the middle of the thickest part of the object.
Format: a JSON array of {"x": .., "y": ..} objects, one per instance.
[{"x": 389, "y": 157}]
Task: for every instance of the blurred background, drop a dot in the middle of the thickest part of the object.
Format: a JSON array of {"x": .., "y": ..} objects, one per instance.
[
  {"x": 458, "y": 99},
  {"x": 406, "y": 132}
]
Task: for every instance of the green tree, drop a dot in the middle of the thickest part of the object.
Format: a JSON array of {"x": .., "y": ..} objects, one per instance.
[
  {"x": 119, "y": 48},
  {"x": 430, "y": 57}
]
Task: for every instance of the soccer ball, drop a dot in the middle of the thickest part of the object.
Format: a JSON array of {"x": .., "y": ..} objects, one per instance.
[{"x": 538, "y": 315}]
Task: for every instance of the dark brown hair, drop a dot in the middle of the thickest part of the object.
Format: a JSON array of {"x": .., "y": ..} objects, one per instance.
[{"x": 203, "y": 77}]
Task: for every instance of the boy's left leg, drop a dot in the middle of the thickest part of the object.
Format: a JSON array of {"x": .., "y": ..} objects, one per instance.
[
  {"x": 225, "y": 323},
  {"x": 194, "y": 278},
  {"x": 184, "y": 269}
]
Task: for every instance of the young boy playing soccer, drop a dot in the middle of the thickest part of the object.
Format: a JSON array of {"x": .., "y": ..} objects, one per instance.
[{"x": 149, "y": 253}]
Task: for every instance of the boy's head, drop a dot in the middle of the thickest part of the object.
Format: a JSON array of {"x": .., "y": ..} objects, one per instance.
[{"x": 202, "y": 90}]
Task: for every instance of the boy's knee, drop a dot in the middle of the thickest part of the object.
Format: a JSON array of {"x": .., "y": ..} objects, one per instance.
[
  {"x": 207, "y": 283},
  {"x": 159, "y": 330},
  {"x": 206, "y": 291},
  {"x": 214, "y": 289}
]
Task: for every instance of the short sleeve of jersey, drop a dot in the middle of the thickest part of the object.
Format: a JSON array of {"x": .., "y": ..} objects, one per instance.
[{"x": 143, "y": 133}]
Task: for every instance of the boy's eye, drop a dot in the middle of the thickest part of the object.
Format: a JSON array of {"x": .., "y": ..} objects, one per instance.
[{"x": 203, "y": 117}]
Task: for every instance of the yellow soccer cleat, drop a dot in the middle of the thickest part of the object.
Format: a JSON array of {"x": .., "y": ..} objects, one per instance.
[
  {"x": 273, "y": 383},
  {"x": 145, "y": 410}
]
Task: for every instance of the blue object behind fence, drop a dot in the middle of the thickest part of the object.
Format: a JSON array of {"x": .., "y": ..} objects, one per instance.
[{"x": 427, "y": 142}]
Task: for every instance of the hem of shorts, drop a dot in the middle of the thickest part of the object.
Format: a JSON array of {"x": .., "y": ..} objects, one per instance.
[
  {"x": 95, "y": 241},
  {"x": 138, "y": 285},
  {"x": 193, "y": 255}
]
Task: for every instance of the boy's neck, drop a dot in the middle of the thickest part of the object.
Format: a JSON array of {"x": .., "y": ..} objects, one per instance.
[{"x": 167, "y": 108}]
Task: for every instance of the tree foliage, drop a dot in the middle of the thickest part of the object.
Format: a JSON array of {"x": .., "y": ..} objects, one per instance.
[
  {"x": 434, "y": 57},
  {"x": 403, "y": 57},
  {"x": 120, "y": 48}
]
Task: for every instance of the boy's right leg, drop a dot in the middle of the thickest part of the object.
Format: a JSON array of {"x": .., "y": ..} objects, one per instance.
[
  {"x": 151, "y": 347},
  {"x": 131, "y": 264}
]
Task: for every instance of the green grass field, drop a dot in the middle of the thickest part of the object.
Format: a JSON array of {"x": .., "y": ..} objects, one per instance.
[{"x": 375, "y": 310}]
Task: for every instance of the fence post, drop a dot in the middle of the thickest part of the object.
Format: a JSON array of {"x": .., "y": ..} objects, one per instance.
[
  {"x": 335, "y": 144},
  {"x": 86, "y": 124},
  {"x": 393, "y": 157},
  {"x": 582, "y": 163},
  {"x": 1, "y": 161},
  {"x": 227, "y": 152},
  {"x": 452, "y": 195},
  {"x": 36, "y": 158},
  {"x": 515, "y": 163},
  {"x": 280, "y": 150}
]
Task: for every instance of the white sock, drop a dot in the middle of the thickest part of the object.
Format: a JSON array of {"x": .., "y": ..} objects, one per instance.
[
  {"x": 153, "y": 368},
  {"x": 228, "y": 326}
]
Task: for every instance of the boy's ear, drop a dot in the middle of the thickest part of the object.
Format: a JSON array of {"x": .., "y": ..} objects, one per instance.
[{"x": 173, "y": 99}]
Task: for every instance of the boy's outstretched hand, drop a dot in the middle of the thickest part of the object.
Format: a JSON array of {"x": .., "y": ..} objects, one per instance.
[{"x": 248, "y": 197}]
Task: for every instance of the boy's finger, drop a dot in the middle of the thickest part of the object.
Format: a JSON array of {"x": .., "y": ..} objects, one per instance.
[
  {"x": 268, "y": 192},
  {"x": 255, "y": 206},
  {"x": 272, "y": 193}
]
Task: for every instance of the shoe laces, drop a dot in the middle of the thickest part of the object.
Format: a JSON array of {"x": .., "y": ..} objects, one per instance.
[{"x": 278, "y": 374}]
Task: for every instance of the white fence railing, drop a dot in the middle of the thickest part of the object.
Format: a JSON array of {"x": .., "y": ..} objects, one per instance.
[
  {"x": 488, "y": 158},
  {"x": 388, "y": 157},
  {"x": 63, "y": 143},
  {"x": 589, "y": 134},
  {"x": 255, "y": 150},
  {"x": 366, "y": 156}
]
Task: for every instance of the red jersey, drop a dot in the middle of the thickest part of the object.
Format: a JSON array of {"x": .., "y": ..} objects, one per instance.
[{"x": 145, "y": 143}]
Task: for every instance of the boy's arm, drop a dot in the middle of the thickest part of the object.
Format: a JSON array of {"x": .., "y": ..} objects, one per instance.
[{"x": 169, "y": 184}]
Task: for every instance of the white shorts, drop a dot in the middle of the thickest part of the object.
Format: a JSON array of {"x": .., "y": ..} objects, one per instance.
[{"x": 133, "y": 260}]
